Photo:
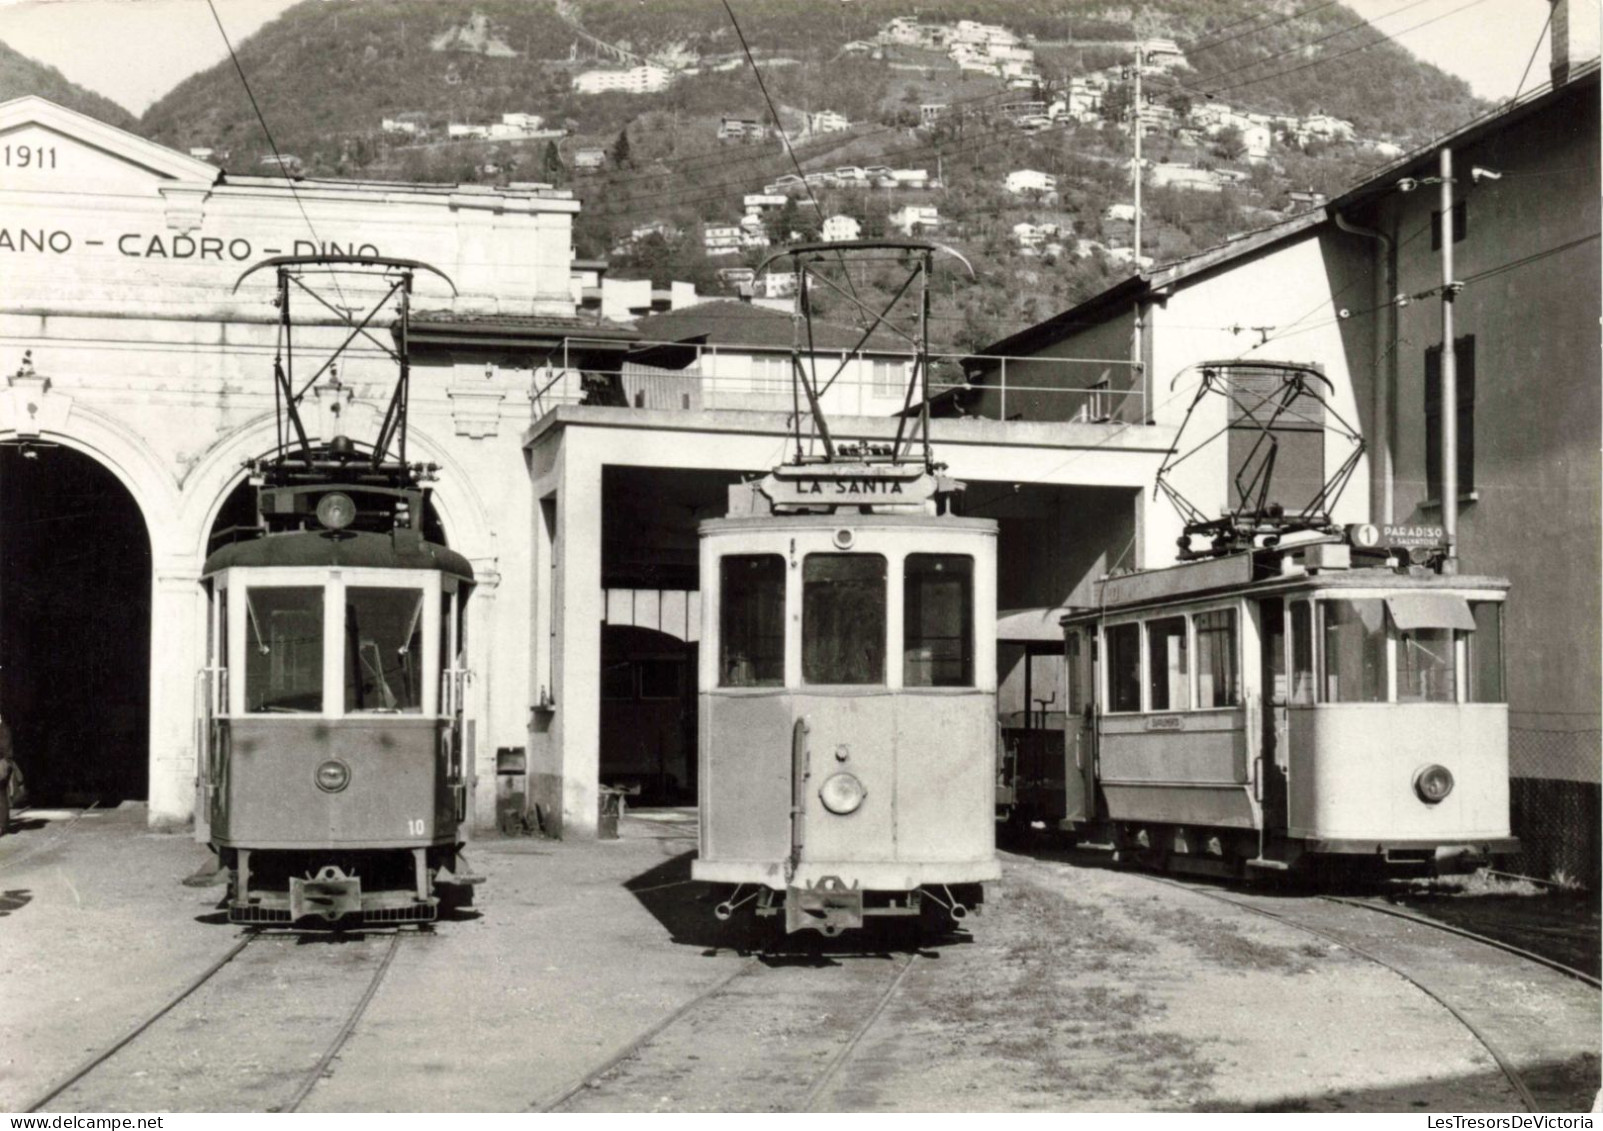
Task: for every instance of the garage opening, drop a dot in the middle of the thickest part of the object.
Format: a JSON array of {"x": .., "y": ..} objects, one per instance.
[
  {"x": 650, "y": 572},
  {"x": 75, "y": 579}
]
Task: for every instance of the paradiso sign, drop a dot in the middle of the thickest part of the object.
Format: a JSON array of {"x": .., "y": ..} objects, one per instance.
[
  {"x": 1369, "y": 536},
  {"x": 828, "y": 486}
]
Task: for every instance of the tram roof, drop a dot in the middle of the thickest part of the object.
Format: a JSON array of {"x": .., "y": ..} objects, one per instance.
[
  {"x": 346, "y": 549},
  {"x": 1257, "y": 574}
]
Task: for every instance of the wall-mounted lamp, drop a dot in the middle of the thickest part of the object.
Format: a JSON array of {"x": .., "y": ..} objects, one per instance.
[{"x": 1478, "y": 174}]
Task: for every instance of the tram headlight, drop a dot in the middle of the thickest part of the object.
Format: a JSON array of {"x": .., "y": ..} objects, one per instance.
[
  {"x": 1433, "y": 783},
  {"x": 842, "y": 793},
  {"x": 333, "y": 776},
  {"x": 335, "y": 510}
]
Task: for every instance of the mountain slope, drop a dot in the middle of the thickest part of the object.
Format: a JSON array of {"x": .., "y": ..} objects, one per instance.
[{"x": 20, "y": 75}]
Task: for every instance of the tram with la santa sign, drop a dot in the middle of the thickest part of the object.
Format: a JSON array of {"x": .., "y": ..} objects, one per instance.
[
  {"x": 1293, "y": 694},
  {"x": 336, "y": 751},
  {"x": 847, "y": 674}
]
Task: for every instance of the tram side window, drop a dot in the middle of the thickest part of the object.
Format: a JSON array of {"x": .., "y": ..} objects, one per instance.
[
  {"x": 843, "y": 618},
  {"x": 1218, "y": 684},
  {"x": 1425, "y": 667},
  {"x": 938, "y": 621},
  {"x": 1167, "y": 668},
  {"x": 1486, "y": 653},
  {"x": 751, "y": 620},
  {"x": 284, "y": 649},
  {"x": 383, "y": 649},
  {"x": 1124, "y": 667},
  {"x": 1302, "y": 653},
  {"x": 1355, "y": 651}
]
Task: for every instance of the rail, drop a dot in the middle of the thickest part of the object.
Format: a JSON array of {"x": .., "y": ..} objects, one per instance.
[{"x": 693, "y": 376}]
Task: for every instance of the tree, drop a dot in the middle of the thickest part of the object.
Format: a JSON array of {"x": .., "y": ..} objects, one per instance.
[
  {"x": 551, "y": 164},
  {"x": 1230, "y": 144},
  {"x": 1116, "y": 103},
  {"x": 620, "y": 150}
]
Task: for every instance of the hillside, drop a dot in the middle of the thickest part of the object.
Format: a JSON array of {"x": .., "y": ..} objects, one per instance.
[{"x": 20, "y": 75}]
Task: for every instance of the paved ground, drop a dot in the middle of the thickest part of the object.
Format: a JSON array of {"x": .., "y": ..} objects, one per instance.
[{"x": 1081, "y": 988}]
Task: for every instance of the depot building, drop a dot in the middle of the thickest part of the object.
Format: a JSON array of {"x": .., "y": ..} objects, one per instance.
[{"x": 576, "y": 458}]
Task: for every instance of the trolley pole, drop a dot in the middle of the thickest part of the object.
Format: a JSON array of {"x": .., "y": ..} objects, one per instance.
[{"x": 1449, "y": 392}]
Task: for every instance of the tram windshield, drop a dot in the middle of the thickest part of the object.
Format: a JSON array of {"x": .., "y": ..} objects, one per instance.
[
  {"x": 751, "y": 620},
  {"x": 843, "y": 618},
  {"x": 383, "y": 649},
  {"x": 284, "y": 649}
]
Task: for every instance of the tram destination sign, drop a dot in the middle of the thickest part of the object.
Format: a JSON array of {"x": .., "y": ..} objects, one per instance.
[
  {"x": 1369, "y": 535},
  {"x": 849, "y": 485}
]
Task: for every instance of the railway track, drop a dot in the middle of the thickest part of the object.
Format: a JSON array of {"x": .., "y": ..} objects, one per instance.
[
  {"x": 268, "y": 996},
  {"x": 1455, "y": 968},
  {"x": 792, "y": 1023}
]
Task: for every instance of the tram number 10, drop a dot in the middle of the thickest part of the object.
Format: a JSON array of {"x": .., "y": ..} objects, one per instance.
[
  {"x": 414, "y": 827},
  {"x": 30, "y": 156}
]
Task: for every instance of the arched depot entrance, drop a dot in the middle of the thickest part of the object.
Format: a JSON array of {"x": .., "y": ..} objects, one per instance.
[{"x": 75, "y": 606}]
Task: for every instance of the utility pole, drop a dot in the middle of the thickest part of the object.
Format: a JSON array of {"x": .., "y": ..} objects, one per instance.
[
  {"x": 1449, "y": 396},
  {"x": 1140, "y": 59}
]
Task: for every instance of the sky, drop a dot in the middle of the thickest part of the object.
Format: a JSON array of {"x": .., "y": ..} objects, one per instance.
[{"x": 134, "y": 51}]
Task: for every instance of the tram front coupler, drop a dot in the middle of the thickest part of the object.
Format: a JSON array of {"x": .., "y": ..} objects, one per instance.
[{"x": 828, "y": 906}]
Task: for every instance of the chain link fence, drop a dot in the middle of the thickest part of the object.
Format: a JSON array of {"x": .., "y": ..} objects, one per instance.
[{"x": 1554, "y": 802}]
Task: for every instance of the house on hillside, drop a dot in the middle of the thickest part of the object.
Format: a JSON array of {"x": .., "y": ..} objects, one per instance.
[
  {"x": 827, "y": 121},
  {"x": 911, "y": 219},
  {"x": 732, "y": 128},
  {"x": 589, "y": 159},
  {"x": 1325, "y": 287},
  {"x": 721, "y": 239},
  {"x": 1021, "y": 181},
  {"x": 647, "y": 78},
  {"x": 841, "y": 227}
]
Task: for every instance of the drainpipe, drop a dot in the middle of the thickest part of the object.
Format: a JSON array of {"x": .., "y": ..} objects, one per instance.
[
  {"x": 1385, "y": 375},
  {"x": 1449, "y": 402}
]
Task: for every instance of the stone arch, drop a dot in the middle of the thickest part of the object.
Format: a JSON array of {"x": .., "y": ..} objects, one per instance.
[
  {"x": 123, "y": 453},
  {"x": 208, "y": 483}
]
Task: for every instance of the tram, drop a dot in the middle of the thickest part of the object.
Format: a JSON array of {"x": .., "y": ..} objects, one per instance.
[
  {"x": 335, "y": 749},
  {"x": 847, "y": 736},
  {"x": 1294, "y": 693}
]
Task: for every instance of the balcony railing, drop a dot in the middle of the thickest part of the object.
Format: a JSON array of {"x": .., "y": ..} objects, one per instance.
[{"x": 691, "y": 377}]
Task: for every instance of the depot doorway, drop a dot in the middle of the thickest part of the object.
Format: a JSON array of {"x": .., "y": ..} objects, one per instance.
[{"x": 75, "y": 582}]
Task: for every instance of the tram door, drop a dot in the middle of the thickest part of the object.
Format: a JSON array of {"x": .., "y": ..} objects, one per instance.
[
  {"x": 1273, "y": 758},
  {"x": 211, "y": 714},
  {"x": 1080, "y": 724}
]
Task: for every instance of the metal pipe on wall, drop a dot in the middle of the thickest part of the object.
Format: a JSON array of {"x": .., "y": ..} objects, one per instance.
[{"x": 1385, "y": 375}]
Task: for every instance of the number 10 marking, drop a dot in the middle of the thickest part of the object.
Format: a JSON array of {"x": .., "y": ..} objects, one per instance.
[{"x": 414, "y": 827}]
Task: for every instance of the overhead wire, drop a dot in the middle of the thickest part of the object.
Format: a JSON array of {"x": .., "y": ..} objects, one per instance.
[{"x": 278, "y": 158}]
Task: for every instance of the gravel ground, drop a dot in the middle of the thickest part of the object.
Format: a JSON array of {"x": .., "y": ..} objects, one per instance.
[{"x": 1079, "y": 988}]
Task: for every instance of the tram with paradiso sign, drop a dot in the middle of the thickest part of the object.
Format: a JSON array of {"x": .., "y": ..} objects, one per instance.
[
  {"x": 847, "y": 671},
  {"x": 335, "y": 751},
  {"x": 1293, "y": 693}
]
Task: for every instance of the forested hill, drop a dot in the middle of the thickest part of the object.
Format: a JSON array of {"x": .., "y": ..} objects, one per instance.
[
  {"x": 20, "y": 75},
  {"x": 327, "y": 73}
]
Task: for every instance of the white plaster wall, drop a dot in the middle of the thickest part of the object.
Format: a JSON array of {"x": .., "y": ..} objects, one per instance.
[{"x": 1297, "y": 289}]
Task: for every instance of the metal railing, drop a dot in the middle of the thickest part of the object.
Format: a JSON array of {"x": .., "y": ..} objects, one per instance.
[{"x": 723, "y": 378}]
